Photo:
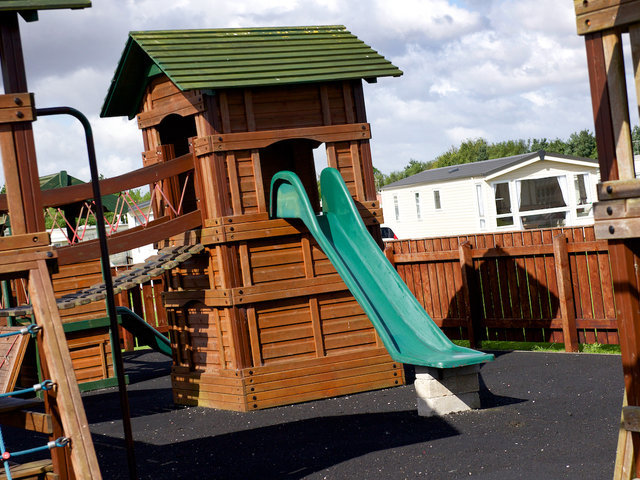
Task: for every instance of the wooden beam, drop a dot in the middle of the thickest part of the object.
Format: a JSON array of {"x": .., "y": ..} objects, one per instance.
[
  {"x": 157, "y": 230},
  {"x": 617, "y": 86},
  {"x": 16, "y": 140},
  {"x": 601, "y": 107},
  {"x": 596, "y": 15},
  {"x": 264, "y": 138}
]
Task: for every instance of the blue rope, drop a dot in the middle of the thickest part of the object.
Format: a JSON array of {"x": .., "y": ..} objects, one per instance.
[
  {"x": 57, "y": 443},
  {"x": 45, "y": 385},
  {"x": 3, "y": 451},
  {"x": 32, "y": 329}
]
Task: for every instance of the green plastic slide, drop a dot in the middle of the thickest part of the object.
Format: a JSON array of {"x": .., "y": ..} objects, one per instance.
[
  {"x": 145, "y": 333},
  {"x": 408, "y": 333}
]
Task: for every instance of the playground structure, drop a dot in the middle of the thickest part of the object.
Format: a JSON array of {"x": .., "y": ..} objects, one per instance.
[{"x": 261, "y": 318}]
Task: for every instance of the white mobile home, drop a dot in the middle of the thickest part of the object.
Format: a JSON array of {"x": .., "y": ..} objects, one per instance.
[{"x": 533, "y": 190}]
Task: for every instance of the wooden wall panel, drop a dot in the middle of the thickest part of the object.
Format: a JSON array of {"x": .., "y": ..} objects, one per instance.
[
  {"x": 344, "y": 324},
  {"x": 91, "y": 354},
  {"x": 291, "y": 106},
  {"x": 235, "y": 104},
  {"x": 285, "y": 330},
  {"x": 276, "y": 259}
]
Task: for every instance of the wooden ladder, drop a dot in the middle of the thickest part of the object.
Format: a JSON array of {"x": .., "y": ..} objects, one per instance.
[{"x": 30, "y": 256}]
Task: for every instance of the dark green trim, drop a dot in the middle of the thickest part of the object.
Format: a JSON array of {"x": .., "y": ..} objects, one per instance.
[
  {"x": 22, "y": 5},
  {"x": 98, "y": 384},
  {"x": 81, "y": 325}
]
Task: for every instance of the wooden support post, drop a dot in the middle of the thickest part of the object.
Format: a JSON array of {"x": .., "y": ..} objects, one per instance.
[
  {"x": 388, "y": 252},
  {"x": 606, "y": 81},
  {"x": 565, "y": 293},
  {"x": 616, "y": 84},
  {"x": 623, "y": 469},
  {"x": 56, "y": 352},
  {"x": 16, "y": 139},
  {"x": 470, "y": 295}
]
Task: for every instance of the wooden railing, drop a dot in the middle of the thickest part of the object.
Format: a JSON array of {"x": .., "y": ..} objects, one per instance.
[{"x": 550, "y": 285}]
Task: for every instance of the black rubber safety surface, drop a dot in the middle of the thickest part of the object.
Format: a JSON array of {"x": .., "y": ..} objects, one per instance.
[{"x": 543, "y": 416}]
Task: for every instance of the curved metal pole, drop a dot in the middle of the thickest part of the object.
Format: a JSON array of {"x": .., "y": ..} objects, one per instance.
[{"x": 108, "y": 282}]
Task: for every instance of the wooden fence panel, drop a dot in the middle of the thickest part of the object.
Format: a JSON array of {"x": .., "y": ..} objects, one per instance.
[{"x": 517, "y": 284}]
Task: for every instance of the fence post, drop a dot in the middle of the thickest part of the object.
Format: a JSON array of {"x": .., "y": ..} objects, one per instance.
[
  {"x": 470, "y": 296},
  {"x": 388, "y": 252},
  {"x": 565, "y": 293}
]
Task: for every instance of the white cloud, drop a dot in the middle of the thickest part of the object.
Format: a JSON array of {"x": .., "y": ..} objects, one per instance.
[
  {"x": 436, "y": 19},
  {"x": 459, "y": 134}
]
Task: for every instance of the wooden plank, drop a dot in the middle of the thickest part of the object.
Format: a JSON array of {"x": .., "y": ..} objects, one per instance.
[
  {"x": 155, "y": 231},
  {"x": 332, "y": 388},
  {"x": 58, "y": 197},
  {"x": 313, "y": 381},
  {"x": 264, "y": 138},
  {"x": 597, "y": 15},
  {"x": 234, "y": 187},
  {"x": 12, "y": 350},
  {"x": 624, "y": 466},
  {"x": 29, "y": 240},
  {"x": 181, "y": 103},
  {"x": 614, "y": 61},
  {"x": 26, "y": 420},
  {"x": 357, "y": 170},
  {"x": 31, "y": 470},
  {"x": 254, "y": 337},
  {"x": 601, "y": 106}
]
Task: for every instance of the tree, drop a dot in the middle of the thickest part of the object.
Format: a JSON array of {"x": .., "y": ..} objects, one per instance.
[
  {"x": 635, "y": 139},
  {"x": 138, "y": 197},
  {"x": 582, "y": 144}
]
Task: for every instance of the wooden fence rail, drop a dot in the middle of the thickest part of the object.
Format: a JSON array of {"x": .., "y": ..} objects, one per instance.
[{"x": 551, "y": 285}]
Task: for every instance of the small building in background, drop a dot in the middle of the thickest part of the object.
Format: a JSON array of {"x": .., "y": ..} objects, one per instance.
[{"x": 533, "y": 190}]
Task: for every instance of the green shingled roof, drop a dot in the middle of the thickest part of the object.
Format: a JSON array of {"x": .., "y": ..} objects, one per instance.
[{"x": 240, "y": 57}]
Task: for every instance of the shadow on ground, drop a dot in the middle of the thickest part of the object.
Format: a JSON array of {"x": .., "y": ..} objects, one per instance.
[{"x": 287, "y": 450}]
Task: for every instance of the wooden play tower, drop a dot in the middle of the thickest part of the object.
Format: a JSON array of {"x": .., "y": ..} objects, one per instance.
[
  {"x": 261, "y": 318},
  {"x": 604, "y": 24}
]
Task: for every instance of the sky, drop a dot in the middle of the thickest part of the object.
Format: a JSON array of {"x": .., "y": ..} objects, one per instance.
[{"x": 497, "y": 69}]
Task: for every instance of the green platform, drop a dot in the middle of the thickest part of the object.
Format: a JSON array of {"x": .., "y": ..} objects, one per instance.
[{"x": 407, "y": 331}]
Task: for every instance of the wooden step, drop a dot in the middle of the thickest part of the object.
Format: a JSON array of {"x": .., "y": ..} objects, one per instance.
[
  {"x": 37, "y": 470},
  {"x": 14, "y": 413}
]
